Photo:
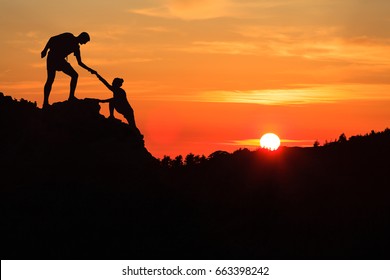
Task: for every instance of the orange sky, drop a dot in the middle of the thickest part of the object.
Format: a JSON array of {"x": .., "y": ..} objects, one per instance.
[{"x": 214, "y": 75}]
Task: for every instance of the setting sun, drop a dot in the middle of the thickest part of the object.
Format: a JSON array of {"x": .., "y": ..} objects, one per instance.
[{"x": 270, "y": 141}]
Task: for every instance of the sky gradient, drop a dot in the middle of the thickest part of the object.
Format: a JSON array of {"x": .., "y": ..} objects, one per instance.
[{"x": 215, "y": 75}]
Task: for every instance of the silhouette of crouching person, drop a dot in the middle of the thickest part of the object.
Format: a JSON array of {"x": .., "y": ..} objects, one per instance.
[{"x": 120, "y": 103}]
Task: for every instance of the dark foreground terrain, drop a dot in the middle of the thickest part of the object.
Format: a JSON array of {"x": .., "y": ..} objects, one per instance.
[{"x": 75, "y": 185}]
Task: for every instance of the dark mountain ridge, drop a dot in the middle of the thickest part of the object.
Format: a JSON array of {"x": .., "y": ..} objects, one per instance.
[
  {"x": 77, "y": 185},
  {"x": 73, "y": 136}
]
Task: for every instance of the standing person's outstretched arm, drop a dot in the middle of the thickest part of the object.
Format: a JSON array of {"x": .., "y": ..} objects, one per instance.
[
  {"x": 78, "y": 57},
  {"x": 104, "y": 82}
]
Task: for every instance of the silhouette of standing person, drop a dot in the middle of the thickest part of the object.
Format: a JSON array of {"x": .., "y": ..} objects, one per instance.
[
  {"x": 60, "y": 47},
  {"x": 120, "y": 103}
]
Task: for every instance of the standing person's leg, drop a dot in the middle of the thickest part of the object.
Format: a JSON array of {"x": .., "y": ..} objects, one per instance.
[
  {"x": 68, "y": 70},
  {"x": 51, "y": 74}
]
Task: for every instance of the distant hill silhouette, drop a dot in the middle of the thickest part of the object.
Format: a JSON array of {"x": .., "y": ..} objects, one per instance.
[{"x": 77, "y": 185}]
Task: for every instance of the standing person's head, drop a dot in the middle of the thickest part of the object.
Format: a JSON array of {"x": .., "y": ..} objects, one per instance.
[
  {"x": 83, "y": 38},
  {"x": 117, "y": 82}
]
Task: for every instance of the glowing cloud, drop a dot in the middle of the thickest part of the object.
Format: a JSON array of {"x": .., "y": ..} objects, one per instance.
[
  {"x": 186, "y": 9},
  {"x": 234, "y": 48},
  {"x": 299, "y": 96}
]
